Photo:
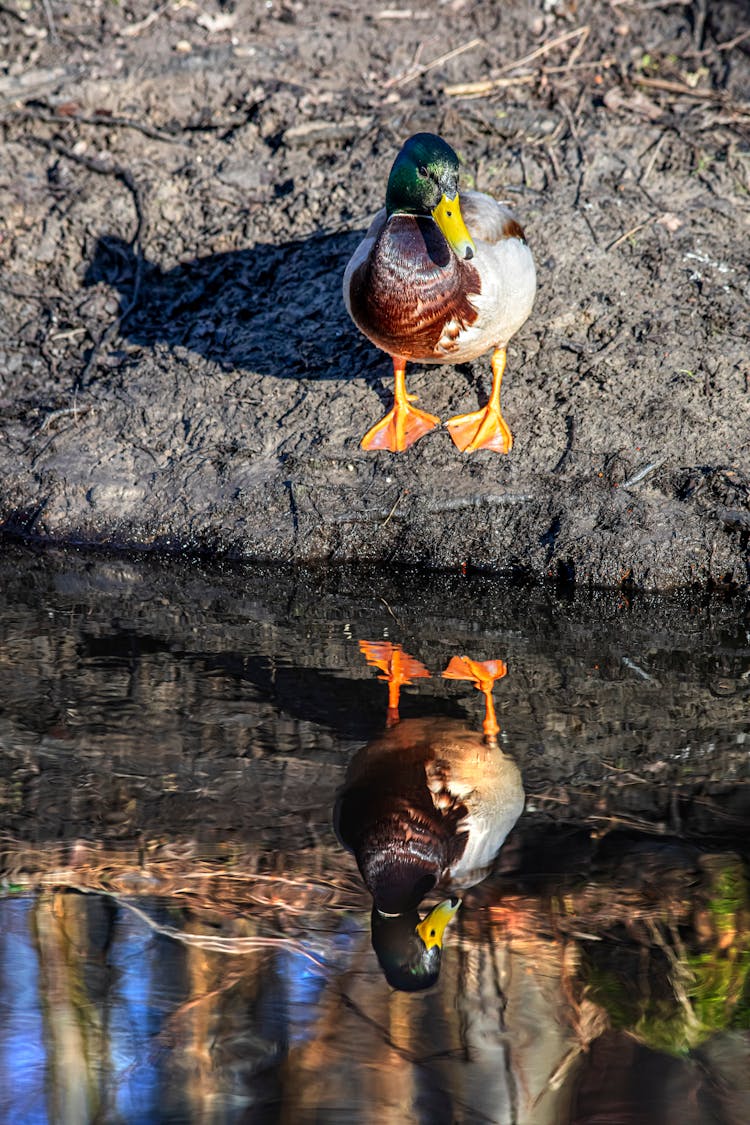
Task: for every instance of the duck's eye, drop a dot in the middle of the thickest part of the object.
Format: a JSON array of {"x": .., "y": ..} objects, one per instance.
[
  {"x": 422, "y": 171},
  {"x": 448, "y": 214}
]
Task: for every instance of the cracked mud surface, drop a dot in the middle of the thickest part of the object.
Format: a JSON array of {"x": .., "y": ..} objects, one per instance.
[{"x": 180, "y": 190}]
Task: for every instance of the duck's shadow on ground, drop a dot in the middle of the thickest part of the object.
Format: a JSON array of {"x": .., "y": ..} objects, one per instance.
[{"x": 271, "y": 309}]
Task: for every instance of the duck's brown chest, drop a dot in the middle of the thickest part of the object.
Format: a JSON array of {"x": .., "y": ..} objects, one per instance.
[{"x": 412, "y": 295}]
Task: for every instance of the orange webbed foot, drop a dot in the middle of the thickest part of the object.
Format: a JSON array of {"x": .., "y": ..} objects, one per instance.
[
  {"x": 484, "y": 429},
  {"x": 404, "y": 424},
  {"x": 398, "y": 667},
  {"x": 401, "y": 427},
  {"x": 483, "y": 674}
]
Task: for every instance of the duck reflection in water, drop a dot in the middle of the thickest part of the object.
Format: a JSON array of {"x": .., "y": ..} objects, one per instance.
[{"x": 427, "y": 804}]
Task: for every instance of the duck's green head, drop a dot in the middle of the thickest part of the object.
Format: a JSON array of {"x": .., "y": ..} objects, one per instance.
[
  {"x": 409, "y": 949},
  {"x": 424, "y": 181}
]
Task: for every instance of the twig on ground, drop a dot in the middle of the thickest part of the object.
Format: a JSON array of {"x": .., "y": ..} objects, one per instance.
[
  {"x": 575, "y": 53},
  {"x": 632, "y": 231},
  {"x": 728, "y": 46},
  {"x": 54, "y": 37},
  {"x": 670, "y": 87},
  {"x": 399, "y": 498},
  {"x": 643, "y": 473},
  {"x": 603, "y": 63},
  {"x": 654, "y": 155},
  {"x": 63, "y": 412},
  {"x": 550, "y": 45},
  {"x": 417, "y": 72},
  {"x": 401, "y": 14},
  {"x": 129, "y": 31},
  {"x": 651, "y": 5},
  {"x": 479, "y": 89},
  {"x": 16, "y": 89}
]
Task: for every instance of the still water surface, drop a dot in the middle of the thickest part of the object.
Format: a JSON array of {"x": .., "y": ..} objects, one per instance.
[{"x": 183, "y": 936}]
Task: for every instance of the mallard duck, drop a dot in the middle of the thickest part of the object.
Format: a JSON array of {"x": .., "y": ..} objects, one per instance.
[
  {"x": 425, "y": 805},
  {"x": 440, "y": 278}
]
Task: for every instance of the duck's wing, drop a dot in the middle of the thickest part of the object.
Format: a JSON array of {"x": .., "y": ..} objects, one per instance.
[
  {"x": 489, "y": 787},
  {"x": 489, "y": 220},
  {"x": 506, "y": 271},
  {"x": 362, "y": 252}
]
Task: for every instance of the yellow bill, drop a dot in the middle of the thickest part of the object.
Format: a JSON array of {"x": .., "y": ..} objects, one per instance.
[
  {"x": 431, "y": 930},
  {"x": 448, "y": 217}
]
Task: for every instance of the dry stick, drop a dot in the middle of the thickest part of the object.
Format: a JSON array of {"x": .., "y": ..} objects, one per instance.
[
  {"x": 401, "y": 14},
  {"x": 479, "y": 89},
  {"x": 545, "y": 47},
  {"x": 130, "y": 30},
  {"x": 54, "y": 38},
  {"x": 498, "y": 83},
  {"x": 126, "y": 177},
  {"x": 720, "y": 46},
  {"x": 404, "y": 79},
  {"x": 63, "y": 412},
  {"x": 699, "y": 23},
  {"x": 652, "y": 6},
  {"x": 643, "y": 473},
  {"x": 604, "y": 63},
  {"x": 399, "y": 498},
  {"x": 679, "y": 88},
  {"x": 628, "y": 233},
  {"x": 654, "y": 157},
  {"x": 237, "y": 946},
  {"x": 575, "y": 53}
]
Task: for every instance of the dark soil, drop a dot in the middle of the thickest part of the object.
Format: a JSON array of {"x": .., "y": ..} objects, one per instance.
[{"x": 180, "y": 190}]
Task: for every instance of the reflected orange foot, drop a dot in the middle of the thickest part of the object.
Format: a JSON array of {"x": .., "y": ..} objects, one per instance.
[
  {"x": 482, "y": 673},
  {"x": 484, "y": 429},
  {"x": 399, "y": 669},
  {"x": 401, "y": 427}
]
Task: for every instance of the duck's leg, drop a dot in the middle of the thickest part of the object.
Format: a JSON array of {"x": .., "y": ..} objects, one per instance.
[
  {"x": 404, "y": 424},
  {"x": 483, "y": 674},
  {"x": 399, "y": 668},
  {"x": 486, "y": 428}
]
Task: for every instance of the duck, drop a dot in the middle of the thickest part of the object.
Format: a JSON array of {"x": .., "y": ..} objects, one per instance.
[
  {"x": 425, "y": 806},
  {"x": 440, "y": 277}
]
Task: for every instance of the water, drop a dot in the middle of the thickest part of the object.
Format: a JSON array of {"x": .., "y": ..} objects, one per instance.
[{"x": 184, "y": 938}]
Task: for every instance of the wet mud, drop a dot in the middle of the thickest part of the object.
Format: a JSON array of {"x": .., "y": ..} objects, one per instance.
[{"x": 180, "y": 191}]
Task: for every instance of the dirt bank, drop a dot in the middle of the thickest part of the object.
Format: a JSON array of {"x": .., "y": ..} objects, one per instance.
[{"x": 181, "y": 187}]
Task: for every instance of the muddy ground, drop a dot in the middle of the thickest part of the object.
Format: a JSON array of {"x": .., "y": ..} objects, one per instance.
[{"x": 181, "y": 187}]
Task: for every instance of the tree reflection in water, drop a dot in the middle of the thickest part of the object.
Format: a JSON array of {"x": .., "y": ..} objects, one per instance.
[{"x": 551, "y": 1007}]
